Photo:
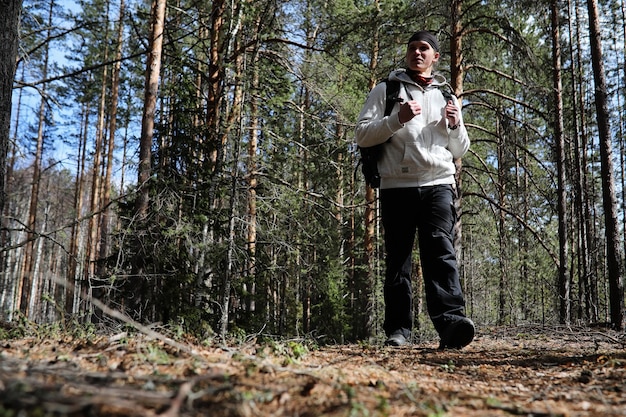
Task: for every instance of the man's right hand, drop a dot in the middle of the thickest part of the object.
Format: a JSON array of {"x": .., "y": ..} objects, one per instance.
[{"x": 409, "y": 110}]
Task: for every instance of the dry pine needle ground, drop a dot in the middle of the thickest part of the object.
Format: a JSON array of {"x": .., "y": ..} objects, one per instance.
[{"x": 505, "y": 372}]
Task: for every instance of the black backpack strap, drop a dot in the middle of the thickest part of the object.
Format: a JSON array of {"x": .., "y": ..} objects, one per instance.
[
  {"x": 446, "y": 91},
  {"x": 371, "y": 155},
  {"x": 392, "y": 96}
]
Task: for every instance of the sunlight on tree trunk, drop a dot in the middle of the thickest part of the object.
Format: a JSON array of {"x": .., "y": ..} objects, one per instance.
[
  {"x": 9, "y": 34},
  {"x": 613, "y": 255},
  {"x": 587, "y": 244},
  {"x": 504, "y": 317},
  {"x": 371, "y": 210},
  {"x": 27, "y": 277},
  {"x": 96, "y": 286},
  {"x": 105, "y": 226},
  {"x": 74, "y": 269},
  {"x": 153, "y": 69},
  {"x": 563, "y": 276},
  {"x": 10, "y": 11},
  {"x": 234, "y": 119},
  {"x": 251, "y": 238},
  {"x": 456, "y": 74}
]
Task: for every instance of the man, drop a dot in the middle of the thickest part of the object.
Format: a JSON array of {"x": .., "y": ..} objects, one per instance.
[{"x": 424, "y": 134}]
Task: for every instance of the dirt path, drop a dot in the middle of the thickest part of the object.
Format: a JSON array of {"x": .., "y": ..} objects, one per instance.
[{"x": 505, "y": 372}]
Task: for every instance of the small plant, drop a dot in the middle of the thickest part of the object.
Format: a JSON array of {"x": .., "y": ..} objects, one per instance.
[
  {"x": 449, "y": 367},
  {"x": 156, "y": 355},
  {"x": 298, "y": 350},
  {"x": 383, "y": 405}
]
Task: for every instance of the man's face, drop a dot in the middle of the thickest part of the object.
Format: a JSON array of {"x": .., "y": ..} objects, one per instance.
[{"x": 421, "y": 57}]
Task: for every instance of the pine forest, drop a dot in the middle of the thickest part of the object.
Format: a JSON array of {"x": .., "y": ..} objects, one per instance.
[{"x": 192, "y": 163}]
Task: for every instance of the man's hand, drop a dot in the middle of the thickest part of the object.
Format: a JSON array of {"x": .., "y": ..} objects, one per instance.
[
  {"x": 409, "y": 110},
  {"x": 453, "y": 114}
]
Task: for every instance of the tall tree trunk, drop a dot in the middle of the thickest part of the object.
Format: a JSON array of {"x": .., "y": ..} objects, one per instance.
[
  {"x": 456, "y": 74},
  {"x": 234, "y": 119},
  {"x": 212, "y": 149},
  {"x": 588, "y": 242},
  {"x": 106, "y": 187},
  {"x": 96, "y": 286},
  {"x": 527, "y": 292},
  {"x": 153, "y": 69},
  {"x": 79, "y": 187},
  {"x": 563, "y": 276},
  {"x": 26, "y": 276},
  {"x": 370, "y": 217},
  {"x": 301, "y": 282},
  {"x": 580, "y": 225},
  {"x": 620, "y": 105},
  {"x": 137, "y": 286},
  {"x": 503, "y": 289},
  {"x": 252, "y": 184},
  {"x": 129, "y": 105},
  {"x": 10, "y": 12},
  {"x": 609, "y": 200},
  {"x": 204, "y": 273},
  {"x": 35, "y": 308},
  {"x": 216, "y": 69}
]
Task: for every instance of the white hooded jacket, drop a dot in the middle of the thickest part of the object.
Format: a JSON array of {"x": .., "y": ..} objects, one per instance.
[{"x": 420, "y": 152}]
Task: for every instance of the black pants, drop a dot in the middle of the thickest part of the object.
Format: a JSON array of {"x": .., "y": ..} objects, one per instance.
[{"x": 429, "y": 211}]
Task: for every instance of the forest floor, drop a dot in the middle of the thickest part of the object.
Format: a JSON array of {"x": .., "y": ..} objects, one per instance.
[{"x": 521, "y": 371}]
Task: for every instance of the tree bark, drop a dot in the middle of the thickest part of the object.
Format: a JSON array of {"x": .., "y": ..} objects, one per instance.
[
  {"x": 153, "y": 69},
  {"x": 563, "y": 276},
  {"x": 216, "y": 70},
  {"x": 252, "y": 184},
  {"x": 587, "y": 244},
  {"x": 370, "y": 218},
  {"x": 234, "y": 119},
  {"x": 74, "y": 253},
  {"x": 9, "y": 34},
  {"x": 10, "y": 11},
  {"x": 456, "y": 79},
  {"x": 609, "y": 200},
  {"x": 27, "y": 277},
  {"x": 106, "y": 188},
  {"x": 503, "y": 289},
  {"x": 93, "y": 243}
]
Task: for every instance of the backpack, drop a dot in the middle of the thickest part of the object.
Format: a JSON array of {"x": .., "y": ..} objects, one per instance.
[{"x": 371, "y": 154}]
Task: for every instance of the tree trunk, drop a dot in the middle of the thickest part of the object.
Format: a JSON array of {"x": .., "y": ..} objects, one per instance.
[
  {"x": 234, "y": 119},
  {"x": 96, "y": 286},
  {"x": 609, "y": 200},
  {"x": 9, "y": 23},
  {"x": 216, "y": 69},
  {"x": 370, "y": 218},
  {"x": 212, "y": 150},
  {"x": 74, "y": 253},
  {"x": 26, "y": 276},
  {"x": 503, "y": 289},
  {"x": 153, "y": 69},
  {"x": 563, "y": 276},
  {"x": 579, "y": 242},
  {"x": 106, "y": 187},
  {"x": 252, "y": 185},
  {"x": 10, "y": 12},
  {"x": 456, "y": 75},
  {"x": 622, "y": 132},
  {"x": 588, "y": 244}
]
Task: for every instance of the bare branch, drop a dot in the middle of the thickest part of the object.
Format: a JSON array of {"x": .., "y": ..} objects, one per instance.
[{"x": 535, "y": 233}]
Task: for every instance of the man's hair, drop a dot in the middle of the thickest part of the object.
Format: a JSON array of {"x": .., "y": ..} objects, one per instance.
[{"x": 426, "y": 36}]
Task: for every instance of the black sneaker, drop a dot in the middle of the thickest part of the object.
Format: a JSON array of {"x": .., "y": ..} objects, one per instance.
[
  {"x": 458, "y": 334},
  {"x": 396, "y": 339}
]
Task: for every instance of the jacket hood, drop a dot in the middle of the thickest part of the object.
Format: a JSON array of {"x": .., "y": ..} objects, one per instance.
[{"x": 401, "y": 75}]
